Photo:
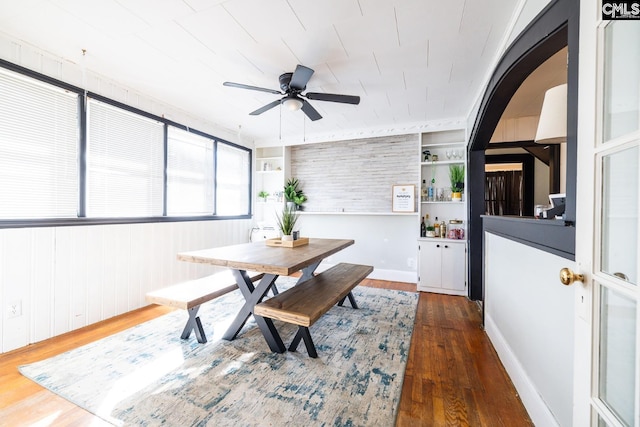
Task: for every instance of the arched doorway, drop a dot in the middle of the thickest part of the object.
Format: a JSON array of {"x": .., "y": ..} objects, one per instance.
[{"x": 555, "y": 28}]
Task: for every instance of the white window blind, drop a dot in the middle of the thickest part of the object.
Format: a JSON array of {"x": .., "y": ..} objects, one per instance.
[
  {"x": 190, "y": 183},
  {"x": 38, "y": 149},
  {"x": 233, "y": 180},
  {"x": 125, "y": 163}
]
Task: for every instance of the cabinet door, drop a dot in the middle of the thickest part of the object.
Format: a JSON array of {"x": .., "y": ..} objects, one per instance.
[
  {"x": 453, "y": 266},
  {"x": 430, "y": 265}
]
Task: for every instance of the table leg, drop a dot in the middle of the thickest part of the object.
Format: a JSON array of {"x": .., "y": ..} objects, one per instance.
[
  {"x": 307, "y": 272},
  {"x": 254, "y": 295}
]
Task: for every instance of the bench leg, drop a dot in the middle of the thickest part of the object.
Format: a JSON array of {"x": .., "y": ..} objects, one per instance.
[
  {"x": 303, "y": 334},
  {"x": 194, "y": 324},
  {"x": 352, "y": 300}
]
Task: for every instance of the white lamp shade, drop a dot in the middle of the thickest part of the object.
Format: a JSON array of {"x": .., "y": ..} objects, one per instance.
[
  {"x": 552, "y": 126},
  {"x": 292, "y": 103}
]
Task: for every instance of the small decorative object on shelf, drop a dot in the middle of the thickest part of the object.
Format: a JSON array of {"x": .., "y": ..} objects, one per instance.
[
  {"x": 456, "y": 176},
  {"x": 456, "y": 230},
  {"x": 402, "y": 198},
  {"x": 263, "y": 195}
]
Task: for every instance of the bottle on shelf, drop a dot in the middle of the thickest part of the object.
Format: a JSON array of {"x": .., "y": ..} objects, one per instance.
[
  {"x": 443, "y": 229},
  {"x": 436, "y": 226},
  {"x": 423, "y": 229},
  {"x": 426, "y": 220},
  {"x": 424, "y": 191}
]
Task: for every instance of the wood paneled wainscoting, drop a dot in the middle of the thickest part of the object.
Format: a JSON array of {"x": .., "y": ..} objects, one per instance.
[{"x": 453, "y": 375}]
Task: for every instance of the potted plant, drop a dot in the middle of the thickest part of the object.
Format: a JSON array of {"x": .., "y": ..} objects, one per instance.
[
  {"x": 286, "y": 222},
  {"x": 263, "y": 195},
  {"x": 294, "y": 196},
  {"x": 431, "y": 231},
  {"x": 456, "y": 176}
]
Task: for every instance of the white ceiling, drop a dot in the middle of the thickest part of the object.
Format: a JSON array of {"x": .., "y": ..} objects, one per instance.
[{"x": 411, "y": 61}]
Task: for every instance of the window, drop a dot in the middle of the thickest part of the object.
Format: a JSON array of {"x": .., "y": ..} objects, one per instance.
[
  {"x": 38, "y": 149},
  {"x": 125, "y": 163},
  {"x": 190, "y": 173},
  {"x": 233, "y": 180},
  {"x": 112, "y": 164}
]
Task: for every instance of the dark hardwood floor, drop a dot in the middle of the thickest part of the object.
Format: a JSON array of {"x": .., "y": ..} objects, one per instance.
[{"x": 453, "y": 375}]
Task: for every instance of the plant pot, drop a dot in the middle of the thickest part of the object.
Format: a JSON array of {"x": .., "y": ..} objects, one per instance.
[
  {"x": 431, "y": 234},
  {"x": 291, "y": 206},
  {"x": 456, "y": 197},
  {"x": 287, "y": 238}
]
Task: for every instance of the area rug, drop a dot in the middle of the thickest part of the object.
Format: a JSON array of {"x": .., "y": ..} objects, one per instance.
[{"x": 148, "y": 376}]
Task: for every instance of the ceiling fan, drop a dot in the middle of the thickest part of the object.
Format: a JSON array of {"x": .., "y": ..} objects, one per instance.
[{"x": 292, "y": 85}]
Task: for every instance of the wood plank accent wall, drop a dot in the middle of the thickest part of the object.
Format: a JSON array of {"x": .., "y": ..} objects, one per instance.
[{"x": 355, "y": 175}]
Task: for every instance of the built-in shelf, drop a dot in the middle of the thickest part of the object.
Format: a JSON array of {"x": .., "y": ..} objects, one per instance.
[
  {"x": 270, "y": 172},
  {"x": 439, "y": 239},
  {"x": 361, "y": 213},
  {"x": 443, "y": 162},
  {"x": 446, "y": 202}
]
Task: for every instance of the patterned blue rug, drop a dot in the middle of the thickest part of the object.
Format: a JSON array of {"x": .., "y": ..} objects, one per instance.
[{"x": 148, "y": 376}]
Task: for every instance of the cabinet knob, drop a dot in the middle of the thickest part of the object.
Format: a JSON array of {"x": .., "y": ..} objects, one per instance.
[
  {"x": 446, "y": 246},
  {"x": 437, "y": 246}
]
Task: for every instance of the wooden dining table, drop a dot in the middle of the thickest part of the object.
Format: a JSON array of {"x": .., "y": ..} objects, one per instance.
[{"x": 274, "y": 261}]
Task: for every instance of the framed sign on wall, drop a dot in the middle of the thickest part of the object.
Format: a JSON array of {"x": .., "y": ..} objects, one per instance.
[{"x": 403, "y": 198}]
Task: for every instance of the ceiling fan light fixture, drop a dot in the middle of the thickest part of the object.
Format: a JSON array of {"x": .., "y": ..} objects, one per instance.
[{"x": 292, "y": 103}]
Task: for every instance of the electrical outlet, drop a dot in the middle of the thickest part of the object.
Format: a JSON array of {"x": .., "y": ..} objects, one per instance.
[{"x": 14, "y": 309}]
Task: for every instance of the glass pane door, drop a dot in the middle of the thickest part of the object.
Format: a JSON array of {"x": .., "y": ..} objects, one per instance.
[
  {"x": 618, "y": 331},
  {"x": 616, "y": 385}
]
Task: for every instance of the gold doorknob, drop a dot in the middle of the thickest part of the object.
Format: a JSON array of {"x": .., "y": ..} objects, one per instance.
[{"x": 567, "y": 276}]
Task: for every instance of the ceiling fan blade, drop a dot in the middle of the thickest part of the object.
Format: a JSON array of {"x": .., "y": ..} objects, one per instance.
[
  {"x": 300, "y": 77},
  {"x": 311, "y": 112},
  {"x": 332, "y": 97},
  {"x": 266, "y": 107},
  {"x": 261, "y": 89}
]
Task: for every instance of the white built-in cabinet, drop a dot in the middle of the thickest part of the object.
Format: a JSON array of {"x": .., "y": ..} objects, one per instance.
[
  {"x": 442, "y": 262},
  {"x": 442, "y": 266}
]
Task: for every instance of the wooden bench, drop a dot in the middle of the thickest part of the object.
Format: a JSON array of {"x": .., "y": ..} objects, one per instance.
[
  {"x": 306, "y": 302},
  {"x": 191, "y": 294}
]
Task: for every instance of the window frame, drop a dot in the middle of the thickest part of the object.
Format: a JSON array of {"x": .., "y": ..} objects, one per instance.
[{"x": 82, "y": 219}]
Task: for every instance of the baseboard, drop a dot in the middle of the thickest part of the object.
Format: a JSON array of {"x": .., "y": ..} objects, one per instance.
[
  {"x": 383, "y": 274},
  {"x": 533, "y": 403},
  {"x": 394, "y": 275}
]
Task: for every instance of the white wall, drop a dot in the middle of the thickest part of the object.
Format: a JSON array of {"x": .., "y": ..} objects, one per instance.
[
  {"x": 529, "y": 317},
  {"x": 65, "y": 278},
  {"x": 387, "y": 242},
  {"x": 530, "y": 9}
]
